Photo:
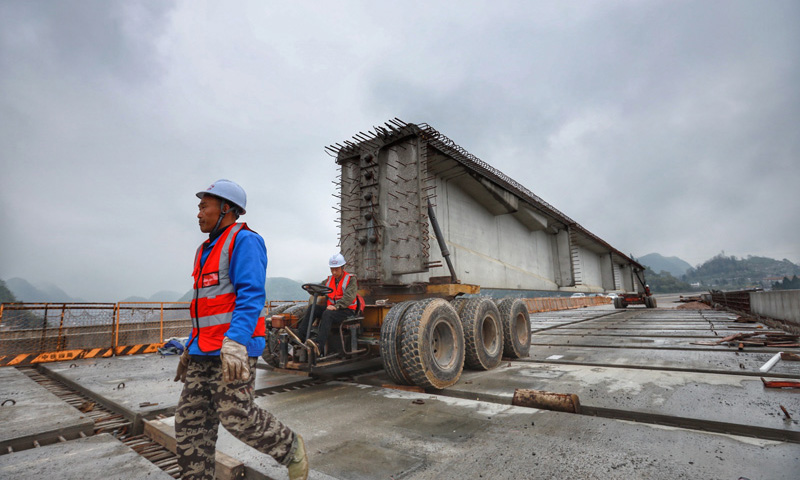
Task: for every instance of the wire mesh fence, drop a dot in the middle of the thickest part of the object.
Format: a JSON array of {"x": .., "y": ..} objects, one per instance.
[{"x": 42, "y": 332}]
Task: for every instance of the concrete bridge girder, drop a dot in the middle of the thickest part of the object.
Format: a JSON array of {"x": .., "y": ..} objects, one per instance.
[{"x": 499, "y": 235}]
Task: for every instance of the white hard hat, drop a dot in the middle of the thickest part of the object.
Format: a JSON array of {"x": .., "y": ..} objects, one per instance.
[
  {"x": 227, "y": 190},
  {"x": 336, "y": 261}
]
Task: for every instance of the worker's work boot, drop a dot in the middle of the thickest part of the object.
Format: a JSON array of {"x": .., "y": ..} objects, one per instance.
[{"x": 298, "y": 466}]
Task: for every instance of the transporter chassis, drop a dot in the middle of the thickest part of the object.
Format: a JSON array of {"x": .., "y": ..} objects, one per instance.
[{"x": 425, "y": 334}]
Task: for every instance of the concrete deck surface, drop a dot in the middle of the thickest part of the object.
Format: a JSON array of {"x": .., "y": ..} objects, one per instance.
[
  {"x": 141, "y": 385},
  {"x": 98, "y": 456},
  {"x": 30, "y": 412},
  {"x": 362, "y": 432},
  {"x": 355, "y": 429}
]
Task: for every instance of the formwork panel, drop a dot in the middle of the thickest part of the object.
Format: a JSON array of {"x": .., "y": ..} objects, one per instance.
[
  {"x": 99, "y": 456},
  {"x": 30, "y": 412}
]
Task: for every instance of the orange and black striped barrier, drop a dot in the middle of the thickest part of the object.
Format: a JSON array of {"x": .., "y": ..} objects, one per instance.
[{"x": 32, "y": 333}]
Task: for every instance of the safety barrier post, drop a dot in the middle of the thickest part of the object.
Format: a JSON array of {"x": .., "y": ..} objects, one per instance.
[
  {"x": 61, "y": 341},
  {"x": 161, "y": 325},
  {"x": 44, "y": 329},
  {"x": 115, "y": 329}
]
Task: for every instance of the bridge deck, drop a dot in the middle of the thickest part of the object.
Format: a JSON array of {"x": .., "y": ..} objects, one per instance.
[{"x": 659, "y": 409}]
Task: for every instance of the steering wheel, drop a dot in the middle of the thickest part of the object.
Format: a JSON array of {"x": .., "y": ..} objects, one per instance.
[{"x": 316, "y": 289}]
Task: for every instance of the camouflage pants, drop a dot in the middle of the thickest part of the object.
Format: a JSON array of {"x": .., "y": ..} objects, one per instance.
[{"x": 205, "y": 402}]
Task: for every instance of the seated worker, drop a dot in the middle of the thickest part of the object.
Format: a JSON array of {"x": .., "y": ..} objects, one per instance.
[{"x": 341, "y": 304}]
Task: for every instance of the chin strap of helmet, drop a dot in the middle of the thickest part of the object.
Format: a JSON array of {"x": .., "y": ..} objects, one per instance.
[{"x": 222, "y": 213}]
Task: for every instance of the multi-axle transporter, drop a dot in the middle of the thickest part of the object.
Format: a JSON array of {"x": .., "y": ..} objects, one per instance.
[{"x": 414, "y": 204}]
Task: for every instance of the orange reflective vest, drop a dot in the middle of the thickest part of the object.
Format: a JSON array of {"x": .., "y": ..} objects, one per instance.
[
  {"x": 214, "y": 297},
  {"x": 338, "y": 290}
]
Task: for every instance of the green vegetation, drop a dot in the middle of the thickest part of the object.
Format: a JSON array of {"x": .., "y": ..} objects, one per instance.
[
  {"x": 787, "y": 284},
  {"x": 15, "y": 319},
  {"x": 664, "y": 282},
  {"x": 5, "y": 294},
  {"x": 729, "y": 273},
  {"x": 723, "y": 273}
]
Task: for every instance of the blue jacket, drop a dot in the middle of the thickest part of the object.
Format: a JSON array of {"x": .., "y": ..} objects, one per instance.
[{"x": 248, "y": 274}]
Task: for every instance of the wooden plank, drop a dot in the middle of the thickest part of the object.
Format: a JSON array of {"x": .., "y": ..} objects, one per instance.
[{"x": 228, "y": 468}]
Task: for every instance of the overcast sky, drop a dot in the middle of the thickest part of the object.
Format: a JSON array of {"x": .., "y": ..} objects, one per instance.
[{"x": 660, "y": 126}]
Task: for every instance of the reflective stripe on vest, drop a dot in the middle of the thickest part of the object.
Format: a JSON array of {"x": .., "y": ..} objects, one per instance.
[
  {"x": 338, "y": 290},
  {"x": 214, "y": 295}
]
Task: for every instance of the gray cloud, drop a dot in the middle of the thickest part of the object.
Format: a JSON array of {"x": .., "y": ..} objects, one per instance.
[{"x": 660, "y": 126}]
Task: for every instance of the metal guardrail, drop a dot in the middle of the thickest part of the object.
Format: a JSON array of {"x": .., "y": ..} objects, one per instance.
[
  {"x": 33, "y": 333},
  {"x": 46, "y": 332},
  {"x": 736, "y": 300}
]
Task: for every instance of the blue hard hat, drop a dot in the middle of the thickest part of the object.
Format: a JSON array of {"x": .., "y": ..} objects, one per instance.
[{"x": 227, "y": 190}]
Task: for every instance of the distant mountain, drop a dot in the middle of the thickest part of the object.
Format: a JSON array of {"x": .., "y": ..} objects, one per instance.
[
  {"x": 728, "y": 273},
  {"x": 658, "y": 263},
  {"x": 134, "y": 298},
  {"x": 165, "y": 296},
  {"x": 6, "y": 295},
  {"x": 278, "y": 288},
  {"x": 26, "y": 292}
]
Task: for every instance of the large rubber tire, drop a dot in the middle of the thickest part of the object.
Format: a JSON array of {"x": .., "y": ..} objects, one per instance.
[
  {"x": 617, "y": 302},
  {"x": 390, "y": 343},
  {"x": 516, "y": 327},
  {"x": 483, "y": 332},
  {"x": 650, "y": 302},
  {"x": 432, "y": 344},
  {"x": 655, "y": 304}
]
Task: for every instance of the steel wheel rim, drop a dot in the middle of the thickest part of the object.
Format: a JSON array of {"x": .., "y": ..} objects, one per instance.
[
  {"x": 520, "y": 329},
  {"x": 491, "y": 337},
  {"x": 443, "y": 344}
]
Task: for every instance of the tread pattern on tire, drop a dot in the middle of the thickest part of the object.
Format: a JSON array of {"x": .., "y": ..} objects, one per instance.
[
  {"x": 417, "y": 360},
  {"x": 473, "y": 312},
  {"x": 510, "y": 310},
  {"x": 390, "y": 343},
  {"x": 459, "y": 303}
]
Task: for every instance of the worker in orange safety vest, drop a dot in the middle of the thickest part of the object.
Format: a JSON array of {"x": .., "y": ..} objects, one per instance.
[
  {"x": 342, "y": 303},
  {"x": 227, "y": 337}
]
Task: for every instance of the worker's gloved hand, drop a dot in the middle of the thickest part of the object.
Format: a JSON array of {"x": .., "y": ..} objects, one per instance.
[
  {"x": 234, "y": 361},
  {"x": 183, "y": 367}
]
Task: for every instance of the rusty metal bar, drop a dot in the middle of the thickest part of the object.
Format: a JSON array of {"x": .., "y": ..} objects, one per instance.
[
  {"x": 559, "y": 402},
  {"x": 161, "y": 324},
  {"x": 59, "y": 344}
]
